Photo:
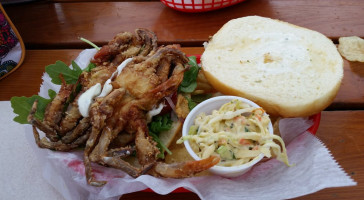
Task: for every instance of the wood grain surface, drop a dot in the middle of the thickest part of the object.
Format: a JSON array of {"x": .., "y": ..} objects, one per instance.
[{"x": 58, "y": 25}]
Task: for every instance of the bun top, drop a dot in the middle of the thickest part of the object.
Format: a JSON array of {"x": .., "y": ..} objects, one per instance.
[{"x": 288, "y": 70}]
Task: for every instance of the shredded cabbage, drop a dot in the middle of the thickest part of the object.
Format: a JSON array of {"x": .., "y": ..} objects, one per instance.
[{"x": 237, "y": 132}]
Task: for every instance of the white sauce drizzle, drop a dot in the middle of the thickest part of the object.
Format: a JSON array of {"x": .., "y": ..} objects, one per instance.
[
  {"x": 107, "y": 86},
  {"x": 154, "y": 112},
  {"x": 123, "y": 64},
  {"x": 106, "y": 89},
  {"x": 85, "y": 100}
]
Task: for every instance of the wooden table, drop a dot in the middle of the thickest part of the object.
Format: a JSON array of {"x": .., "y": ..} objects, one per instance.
[{"x": 50, "y": 31}]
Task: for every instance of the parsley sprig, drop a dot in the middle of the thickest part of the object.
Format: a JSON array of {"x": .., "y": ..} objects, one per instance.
[{"x": 189, "y": 83}]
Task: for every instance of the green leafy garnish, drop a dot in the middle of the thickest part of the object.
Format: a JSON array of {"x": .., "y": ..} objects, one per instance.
[
  {"x": 52, "y": 93},
  {"x": 188, "y": 89},
  {"x": 198, "y": 98},
  {"x": 189, "y": 83},
  {"x": 193, "y": 61},
  {"x": 160, "y": 123},
  {"x": 191, "y": 103},
  {"x": 22, "y": 106},
  {"x": 89, "y": 67},
  {"x": 69, "y": 75}
]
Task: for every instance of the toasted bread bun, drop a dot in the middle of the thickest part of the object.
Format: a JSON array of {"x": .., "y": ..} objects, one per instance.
[
  {"x": 288, "y": 70},
  {"x": 167, "y": 137}
]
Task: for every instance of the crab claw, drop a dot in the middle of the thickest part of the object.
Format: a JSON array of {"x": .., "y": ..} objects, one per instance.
[{"x": 184, "y": 169}]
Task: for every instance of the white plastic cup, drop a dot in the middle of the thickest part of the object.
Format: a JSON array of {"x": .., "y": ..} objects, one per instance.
[{"x": 207, "y": 107}]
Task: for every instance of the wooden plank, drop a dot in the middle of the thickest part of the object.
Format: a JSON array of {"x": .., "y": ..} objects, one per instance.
[
  {"x": 58, "y": 25},
  {"x": 27, "y": 79}
]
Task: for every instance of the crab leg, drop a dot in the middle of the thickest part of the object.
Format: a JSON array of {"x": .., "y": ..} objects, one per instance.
[
  {"x": 58, "y": 146},
  {"x": 126, "y": 45},
  {"x": 145, "y": 145},
  {"x": 118, "y": 163},
  {"x": 49, "y": 131},
  {"x": 98, "y": 116},
  {"x": 71, "y": 118},
  {"x": 122, "y": 139},
  {"x": 108, "y": 134},
  {"x": 121, "y": 152},
  {"x": 54, "y": 111},
  {"x": 150, "y": 41},
  {"x": 101, "y": 155},
  {"x": 83, "y": 125},
  {"x": 184, "y": 169}
]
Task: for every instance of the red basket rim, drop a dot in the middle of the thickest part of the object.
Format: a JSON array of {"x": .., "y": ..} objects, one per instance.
[{"x": 202, "y": 6}]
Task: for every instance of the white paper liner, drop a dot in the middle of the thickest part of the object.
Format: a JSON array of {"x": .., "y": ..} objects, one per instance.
[{"x": 314, "y": 169}]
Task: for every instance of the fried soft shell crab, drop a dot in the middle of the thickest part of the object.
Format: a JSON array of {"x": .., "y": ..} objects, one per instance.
[{"x": 116, "y": 126}]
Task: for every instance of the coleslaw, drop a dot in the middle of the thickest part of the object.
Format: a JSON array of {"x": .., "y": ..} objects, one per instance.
[{"x": 237, "y": 132}]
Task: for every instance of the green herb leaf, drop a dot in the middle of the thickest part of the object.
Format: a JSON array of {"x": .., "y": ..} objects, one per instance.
[
  {"x": 198, "y": 98},
  {"x": 52, "y": 93},
  {"x": 191, "y": 103},
  {"x": 76, "y": 67},
  {"x": 69, "y": 75},
  {"x": 189, "y": 83},
  {"x": 160, "y": 123},
  {"x": 192, "y": 61},
  {"x": 89, "y": 67},
  {"x": 22, "y": 106},
  {"x": 189, "y": 88}
]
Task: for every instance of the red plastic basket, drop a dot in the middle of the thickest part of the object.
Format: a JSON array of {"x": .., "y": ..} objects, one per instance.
[{"x": 199, "y": 5}]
